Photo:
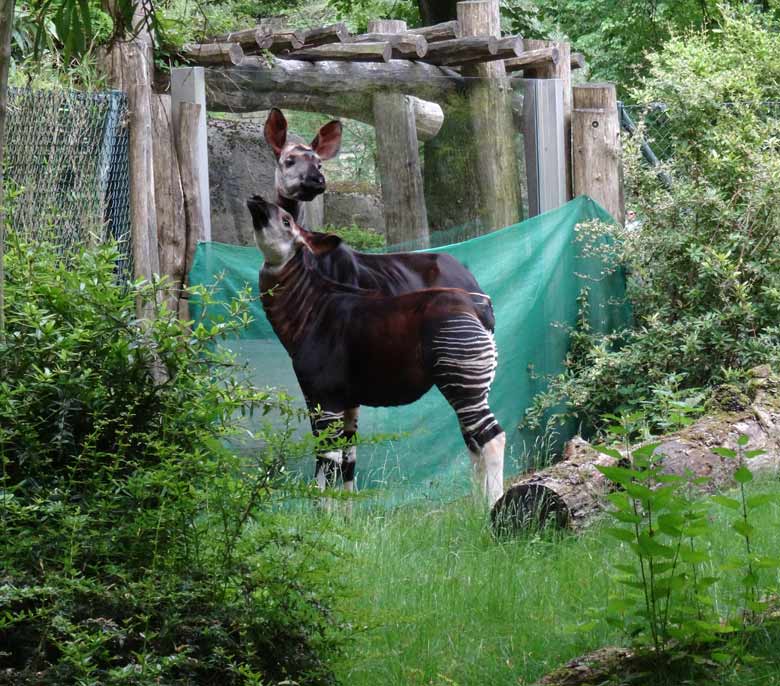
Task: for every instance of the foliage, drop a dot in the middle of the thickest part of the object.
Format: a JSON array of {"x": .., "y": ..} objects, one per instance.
[
  {"x": 357, "y": 13},
  {"x": 137, "y": 547},
  {"x": 703, "y": 262},
  {"x": 357, "y": 237},
  {"x": 667, "y": 602}
]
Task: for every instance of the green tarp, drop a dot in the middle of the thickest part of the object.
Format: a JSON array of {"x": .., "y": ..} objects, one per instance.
[{"x": 534, "y": 272}]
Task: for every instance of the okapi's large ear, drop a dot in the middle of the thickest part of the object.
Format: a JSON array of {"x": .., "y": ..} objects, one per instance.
[
  {"x": 276, "y": 131},
  {"x": 327, "y": 142},
  {"x": 321, "y": 243}
]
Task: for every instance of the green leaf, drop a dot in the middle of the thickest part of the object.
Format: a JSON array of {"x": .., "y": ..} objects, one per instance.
[
  {"x": 743, "y": 475},
  {"x": 611, "y": 452},
  {"x": 725, "y": 452},
  {"x": 755, "y": 501},
  {"x": 620, "y": 534},
  {"x": 627, "y": 517},
  {"x": 639, "y": 491},
  {"x": 618, "y": 475},
  {"x": 726, "y": 501},
  {"x": 750, "y": 454},
  {"x": 742, "y": 527},
  {"x": 652, "y": 548},
  {"x": 645, "y": 451},
  {"x": 692, "y": 557},
  {"x": 626, "y": 569},
  {"x": 743, "y": 440}
]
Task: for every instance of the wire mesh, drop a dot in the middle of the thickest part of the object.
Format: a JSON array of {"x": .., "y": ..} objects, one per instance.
[{"x": 66, "y": 169}]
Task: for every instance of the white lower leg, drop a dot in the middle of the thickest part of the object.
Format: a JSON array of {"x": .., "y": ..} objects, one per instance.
[
  {"x": 493, "y": 465},
  {"x": 324, "y": 471},
  {"x": 348, "y": 467},
  {"x": 477, "y": 472}
]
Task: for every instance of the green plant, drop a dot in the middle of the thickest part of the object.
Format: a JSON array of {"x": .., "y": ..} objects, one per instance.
[
  {"x": 357, "y": 237},
  {"x": 703, "y": 266},
  {"x": 141, "y": 540},
  {"x": 667, "y": 603}
]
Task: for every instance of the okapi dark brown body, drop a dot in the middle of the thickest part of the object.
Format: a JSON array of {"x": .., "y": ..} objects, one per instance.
[{"x": 351, "y": 346}]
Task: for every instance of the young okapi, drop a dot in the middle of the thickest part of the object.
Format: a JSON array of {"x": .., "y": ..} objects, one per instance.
[
  {"x": 299, "y": 178},
  {"x": 352, "y": 346}
]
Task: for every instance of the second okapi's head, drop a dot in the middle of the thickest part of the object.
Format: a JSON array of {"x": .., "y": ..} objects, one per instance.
[
  {"x": 279, "y": 237},
  {"x": 298, "y": 166}
]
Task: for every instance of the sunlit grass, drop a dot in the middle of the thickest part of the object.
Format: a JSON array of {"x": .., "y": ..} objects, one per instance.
[{"x": 435, "y": 599}]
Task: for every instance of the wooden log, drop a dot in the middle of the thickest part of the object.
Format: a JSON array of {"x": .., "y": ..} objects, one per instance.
[
  {"x": 577, "y": 60},
  {"x": 209, "y": 54},
  {"x": 284, "y": 42},
  {"x": 533, "y": 58},
  {"x": 386, "y": 26},
  {"x": 251, "y": 40},
  {"x": 559, "y": 70},
  {"x": 571, "y": 492},
  {"x": 171, "y": 224},
  {"x": 598, "y": 172},
  {"x": 405, "y": 45},
  {"x": 333, "y": 33},
  {"x": 443, "y": 31},
  {"x": 235, "y": 89},
  {"x": 186, "y": 150},
  {"x": 473, "y": 50},
  {"x": 490, "y": 100},
  {"x": 346, "y": 52}
]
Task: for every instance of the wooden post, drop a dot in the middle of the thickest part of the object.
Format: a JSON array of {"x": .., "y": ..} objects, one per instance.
[
  {"x": 171, "y": 224},
  {"x": 186, "y": 134},
  {"x": 545, "y": 149},
  {"x": 557, "y": 70},
  {"x": 490, "y": 99},
  {"x": 6, "y": 26},
  {"x": 398, "y": 158},
  {"x": 598, "y": 171},
  {"x": 188, "y": 85}
]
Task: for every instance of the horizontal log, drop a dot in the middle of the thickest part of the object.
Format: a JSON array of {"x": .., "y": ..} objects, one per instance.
[
  {"x": 283, "y": 42},
  {"x": 438, "y": 32},
  {"x": 245, "y": 88},
  {"x": 405, "y": 45},
  {"x": 577, "y": 60},
  {"x": 473, "y": 50},
  {"x": 251, "y": 40},
  {"x": 333, "y": 33},
  {"x": 533, "y": 58},
  {"x": 344, "y": 52},
  {"x": 208, "y": 54},
  {"x": 571, "y": 492}
]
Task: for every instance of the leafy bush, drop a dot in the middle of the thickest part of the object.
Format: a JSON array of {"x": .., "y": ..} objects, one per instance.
[
  {"x": 357, "y": 237},
  {"x": 704, "y": 261},
  {"x": 136, "y": 548}
]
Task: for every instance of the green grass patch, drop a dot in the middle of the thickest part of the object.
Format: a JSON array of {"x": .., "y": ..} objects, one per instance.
[{"x": 436, "y": 600}]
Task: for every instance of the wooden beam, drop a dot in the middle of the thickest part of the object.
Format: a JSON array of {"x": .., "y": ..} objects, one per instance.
[
  {"x": 577, "y": 60},
  {"x": 346, "y": 52},
  {"x": 444, "y": 31},
  {"x": 598, "y": 171},
  {"x": 533, "y": 58},
  {"x": 405, "y": 45},
  {"x": 473, "y": 50},
  {"x": 333, "y": 33},
  {"x": 246, "y": 88},
  {"x": 283, "y": 42},
  {"x": 398, "y": 160},
  {"x": 208, "y": 54},
  {"x": 251, "y": 40},
  {"x": 490, "y": 103}
]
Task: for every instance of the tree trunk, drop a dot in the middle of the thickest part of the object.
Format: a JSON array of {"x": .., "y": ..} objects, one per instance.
[
  {"x": 6, "y": 23},
  {"x": 437, "y": 11}
]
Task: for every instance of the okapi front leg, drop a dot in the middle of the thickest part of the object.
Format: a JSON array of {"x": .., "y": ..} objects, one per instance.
[
  {"x": 350, "y": 452},
  {"x": 329, "y": 458}
]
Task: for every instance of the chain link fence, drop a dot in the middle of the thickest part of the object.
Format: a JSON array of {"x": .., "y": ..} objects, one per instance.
[
  {"x": 662, "y": 135},
  {"x": 66, "y": 169}
]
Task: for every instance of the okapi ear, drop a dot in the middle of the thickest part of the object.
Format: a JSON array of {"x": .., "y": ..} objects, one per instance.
[
  {"x": 327, "y": 142},
  {"x": 276, "y": 131},
  {"x": 321, "y": 243}
]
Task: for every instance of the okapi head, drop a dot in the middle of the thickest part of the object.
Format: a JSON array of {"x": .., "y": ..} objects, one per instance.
[
  {"x": 278, "y": 235},
  {"x": 299, "y": 166}
]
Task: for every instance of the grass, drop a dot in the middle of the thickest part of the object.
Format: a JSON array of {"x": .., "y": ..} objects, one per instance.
[{"x": 436, "y": 600}]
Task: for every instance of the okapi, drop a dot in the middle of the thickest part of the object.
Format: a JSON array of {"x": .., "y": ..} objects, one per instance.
[
  {"x": 299, "y": 179},
  {"x": 352, "y": 346}
]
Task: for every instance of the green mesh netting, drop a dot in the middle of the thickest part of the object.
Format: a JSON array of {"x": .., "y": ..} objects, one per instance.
[{"x": 534, "y": 271}]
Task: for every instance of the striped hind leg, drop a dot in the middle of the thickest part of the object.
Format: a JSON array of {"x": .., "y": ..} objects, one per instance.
[{"x": 464, "y": 365}]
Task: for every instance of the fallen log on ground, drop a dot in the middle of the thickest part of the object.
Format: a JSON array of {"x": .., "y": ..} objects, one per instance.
[{"x": 571, "y": 492}]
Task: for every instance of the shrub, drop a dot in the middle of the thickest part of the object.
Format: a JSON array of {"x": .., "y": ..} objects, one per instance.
[
  {"x": 358, "y": 238},
  {"x": 137, "y": 547},
  {"x": 704, "y": 261}
]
